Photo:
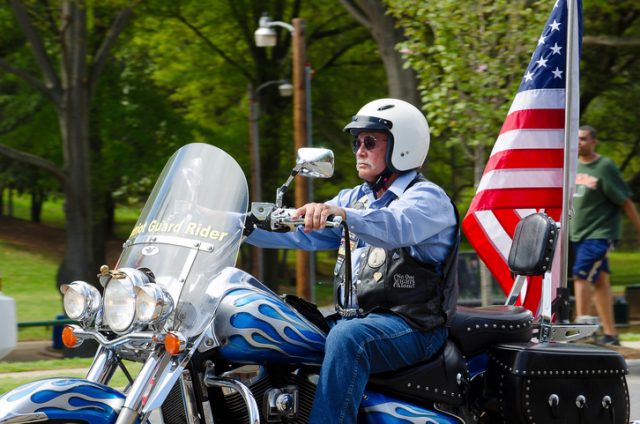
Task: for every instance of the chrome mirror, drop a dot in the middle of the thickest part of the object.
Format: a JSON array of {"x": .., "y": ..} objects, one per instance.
[
  {"x": 315, "y": 162},
  {"x": 311, "y": 162}
]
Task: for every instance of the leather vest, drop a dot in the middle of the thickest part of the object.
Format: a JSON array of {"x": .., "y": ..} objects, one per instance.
[{"x": 391, "y": 280}]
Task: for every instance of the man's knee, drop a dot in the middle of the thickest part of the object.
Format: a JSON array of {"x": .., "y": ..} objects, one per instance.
[{"x": 346, "y": 335}]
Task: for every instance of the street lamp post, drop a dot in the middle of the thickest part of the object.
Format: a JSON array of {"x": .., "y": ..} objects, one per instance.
[
  {"x": 265, "y": 36},
  {"x": 285, "y": 89}
]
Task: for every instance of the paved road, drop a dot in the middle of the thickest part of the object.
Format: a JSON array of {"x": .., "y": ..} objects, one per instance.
[
  {"x": 40, "y": 350},
  {"x": 634, "y": 388},
  {"x": 633, "y": 381}
]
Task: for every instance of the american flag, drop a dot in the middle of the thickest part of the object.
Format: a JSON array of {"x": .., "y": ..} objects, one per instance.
[{"x": 524, "y": 173}]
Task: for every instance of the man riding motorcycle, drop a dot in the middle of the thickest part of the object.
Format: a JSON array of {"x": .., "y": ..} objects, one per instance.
[{"x": 404, "y": 241}]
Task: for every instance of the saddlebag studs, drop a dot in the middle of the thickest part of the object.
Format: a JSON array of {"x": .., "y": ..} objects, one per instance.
[{"x": 575, "y": 382}]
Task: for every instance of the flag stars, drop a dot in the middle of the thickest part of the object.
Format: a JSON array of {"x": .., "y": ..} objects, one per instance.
[
  {"x": 528, "y": 76},
  {"x": 542, "y": 62},
  {"x": 541, "y": 40},
  {"x": 556, "y": 49},
  {"x": 557, "y": 73},
  {"x": 555, "y": 26}
]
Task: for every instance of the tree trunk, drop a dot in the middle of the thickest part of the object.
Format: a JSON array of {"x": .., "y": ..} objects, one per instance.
[
  {"x": 71, "y": 92},
  {"x": 403, "y": 82},
  {"x": 73, "y": 114},
  {"x": 37, "y": 197}
]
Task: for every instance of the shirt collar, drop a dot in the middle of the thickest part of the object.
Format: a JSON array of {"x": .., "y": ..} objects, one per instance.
[{"x": 398, "y": 186}]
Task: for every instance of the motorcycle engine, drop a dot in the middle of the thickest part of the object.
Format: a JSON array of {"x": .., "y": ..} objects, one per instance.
[{"x": 282, "y": 395}]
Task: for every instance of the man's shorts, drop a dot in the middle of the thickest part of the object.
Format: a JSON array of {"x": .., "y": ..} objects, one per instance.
[{"x": 590, "y": 258}]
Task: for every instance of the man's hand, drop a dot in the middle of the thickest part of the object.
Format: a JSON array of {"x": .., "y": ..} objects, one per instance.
[{"x": 316, "y": 214}]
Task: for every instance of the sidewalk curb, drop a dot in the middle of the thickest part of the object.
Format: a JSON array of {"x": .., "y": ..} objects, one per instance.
[{"x": 633, "y": 366}]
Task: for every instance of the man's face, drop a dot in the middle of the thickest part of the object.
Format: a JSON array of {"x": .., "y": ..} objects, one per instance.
[
  {"x": 586, "y": 143},
  {"x": 371, "y": 147}
]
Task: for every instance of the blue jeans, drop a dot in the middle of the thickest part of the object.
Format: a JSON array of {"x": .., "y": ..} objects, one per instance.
[{"x": 358, "y": 347}]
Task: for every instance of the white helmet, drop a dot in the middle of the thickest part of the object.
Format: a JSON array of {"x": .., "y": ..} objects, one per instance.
[{"x": 408, "y": 129}]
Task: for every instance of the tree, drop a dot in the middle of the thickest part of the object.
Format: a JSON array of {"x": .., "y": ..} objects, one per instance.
[
  {"x": 469, "y": 56},
  {"x": 206, "y": 56},
  {"x": 610, "y": 81},
  {"x": 82, "y": 47},
  {"x": 373, "y": 15}
]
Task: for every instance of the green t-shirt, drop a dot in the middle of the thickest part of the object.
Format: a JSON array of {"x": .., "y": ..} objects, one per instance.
[{"x": 600, "y": 191}]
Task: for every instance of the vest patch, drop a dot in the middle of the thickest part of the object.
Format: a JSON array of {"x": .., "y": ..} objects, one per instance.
[{"x": 404, "y": 281}]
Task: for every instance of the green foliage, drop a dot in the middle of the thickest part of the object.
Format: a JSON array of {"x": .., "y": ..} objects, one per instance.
[
  {"x": 204, "y": 57},
  {"x": 470, "y": 57},
  {"x": 610, "y": 82}
]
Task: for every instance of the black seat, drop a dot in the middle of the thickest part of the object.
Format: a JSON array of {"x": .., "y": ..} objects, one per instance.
[
  {"x": 440, "y": 379},
  {"x": 475, "y": 329}
]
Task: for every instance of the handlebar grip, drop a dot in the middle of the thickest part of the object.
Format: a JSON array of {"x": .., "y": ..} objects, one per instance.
[{"x": 333, "y": 221}]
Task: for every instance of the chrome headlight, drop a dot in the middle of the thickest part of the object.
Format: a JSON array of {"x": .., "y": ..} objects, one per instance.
[
  {"x": 152, "y": 303},
  {"x": 81, "y": 300},
  {"x": 120, "y": 298}
]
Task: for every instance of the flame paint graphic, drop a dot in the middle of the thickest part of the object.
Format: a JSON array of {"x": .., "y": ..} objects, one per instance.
[
  {"x": 263, "y": 327},
  {"x": 64, "y": 398},
  {"x": 404, "y": 412},
  {"x": 378, "y": 408}
]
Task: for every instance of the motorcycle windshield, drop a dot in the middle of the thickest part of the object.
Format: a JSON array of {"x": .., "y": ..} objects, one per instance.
[{"x": 190, "y": 229}]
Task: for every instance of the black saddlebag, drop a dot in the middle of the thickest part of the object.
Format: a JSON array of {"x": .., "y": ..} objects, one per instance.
[{"x": 556, "y": 383}]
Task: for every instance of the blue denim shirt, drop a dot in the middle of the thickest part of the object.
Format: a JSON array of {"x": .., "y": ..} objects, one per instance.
[{"x": 421, "y": 219}]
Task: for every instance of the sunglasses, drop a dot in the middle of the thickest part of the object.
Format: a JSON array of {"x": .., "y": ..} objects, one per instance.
[{"x": 369, "y": 142}]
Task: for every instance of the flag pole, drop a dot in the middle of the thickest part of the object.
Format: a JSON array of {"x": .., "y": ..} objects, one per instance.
[{"x": 572, "y": 96}]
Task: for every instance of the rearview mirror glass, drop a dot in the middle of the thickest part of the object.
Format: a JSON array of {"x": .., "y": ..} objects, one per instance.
[{"x": 315, "y": 162}]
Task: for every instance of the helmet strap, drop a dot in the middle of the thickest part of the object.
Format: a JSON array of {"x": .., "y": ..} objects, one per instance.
[{"x": 381, "y": 181}]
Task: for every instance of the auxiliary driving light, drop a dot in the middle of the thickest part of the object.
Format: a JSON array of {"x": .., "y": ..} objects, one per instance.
[
  {"x": 153, "y": 303},
  {"x": 81, "y": 300}
]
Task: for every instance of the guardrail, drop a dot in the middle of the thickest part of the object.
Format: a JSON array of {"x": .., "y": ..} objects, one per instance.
[{"x": 49, "y": 323}]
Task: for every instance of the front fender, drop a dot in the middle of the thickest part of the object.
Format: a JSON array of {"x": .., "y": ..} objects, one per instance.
[{"x": 65, "y": 399}]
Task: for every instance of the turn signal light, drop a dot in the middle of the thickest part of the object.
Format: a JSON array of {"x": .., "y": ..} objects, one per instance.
[
  {"x": 174, "y": 343},
  {"x": 69, "y": 339}
]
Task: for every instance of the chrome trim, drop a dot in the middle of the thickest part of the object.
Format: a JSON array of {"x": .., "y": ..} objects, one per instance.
[
  {"x": 241, "y": 389},
  {"x": 544, "y": 335},
  {"x": 188, "y": 263},
  {"x": 188, "y": 397},
  {"x": 175, "y": 241},
  {"x": 515, "y": 290},
  {"x": 103, "y": 367},
  {"x": 167, "y": 376},
  {"x": 572, "y": 332},
  {"x": 33, "y": 417},
  {"x": 140, "y": 337},
  {"x": 141, "y": 387}
]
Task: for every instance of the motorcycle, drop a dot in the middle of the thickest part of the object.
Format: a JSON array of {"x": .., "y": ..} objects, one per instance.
[{"x": 217, "y": 345}]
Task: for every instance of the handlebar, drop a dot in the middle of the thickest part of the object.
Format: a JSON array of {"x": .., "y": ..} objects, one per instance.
[
  {"x": 281, "y": 220},
  {"x": 269, "y": 217}
]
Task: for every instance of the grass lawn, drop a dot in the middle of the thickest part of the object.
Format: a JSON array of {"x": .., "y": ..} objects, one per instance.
[
  {"x": 79, "y": 366},
  {"x": 625, "y": 269},
  {"x": 29, "y": 278}
]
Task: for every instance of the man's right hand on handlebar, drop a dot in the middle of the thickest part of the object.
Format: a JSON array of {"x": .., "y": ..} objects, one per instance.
[{"x": 316, "y": 214}]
